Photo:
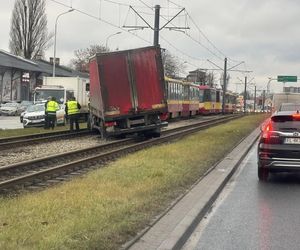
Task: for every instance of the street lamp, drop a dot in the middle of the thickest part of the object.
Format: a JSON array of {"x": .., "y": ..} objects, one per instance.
[
  {"x": 110, "y": 37},
  {"x": 55, "y": 31},
  {"x": 268, "y": 84}
]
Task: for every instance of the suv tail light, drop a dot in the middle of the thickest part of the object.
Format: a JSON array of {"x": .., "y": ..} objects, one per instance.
[
  {"x": 267, "y": 130},
  {"x": 296, "y": 116},
  {"x": 269, "y": 136}
]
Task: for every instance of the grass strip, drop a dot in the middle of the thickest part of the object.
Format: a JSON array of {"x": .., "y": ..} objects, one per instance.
[
  {"x": 5, "y": 133},
  {"x": 107, "y": 207}
]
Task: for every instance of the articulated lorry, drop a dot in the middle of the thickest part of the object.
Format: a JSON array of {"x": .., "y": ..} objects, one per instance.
[
  {"x": 62, "y": 88},
  {"x": 127, "y": 93},
  {"x": 280, "y": 98}
]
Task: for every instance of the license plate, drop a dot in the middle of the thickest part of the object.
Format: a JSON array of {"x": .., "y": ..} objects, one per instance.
[
  {"x": 37, "y": 121},
  {"x": 292, "y": 141},
  {"x": 134, "y": 122}
]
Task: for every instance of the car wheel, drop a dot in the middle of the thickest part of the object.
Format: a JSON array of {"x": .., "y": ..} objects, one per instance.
[{"x": 263, "y": 173}]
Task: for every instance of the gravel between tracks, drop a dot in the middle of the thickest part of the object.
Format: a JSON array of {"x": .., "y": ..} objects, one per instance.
[{"x": 30, "y": 152}]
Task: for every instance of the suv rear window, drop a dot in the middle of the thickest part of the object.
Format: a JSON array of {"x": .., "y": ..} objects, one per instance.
[
  {"x": 289, "y": 107},
  {"x": 287, "y": 123}
]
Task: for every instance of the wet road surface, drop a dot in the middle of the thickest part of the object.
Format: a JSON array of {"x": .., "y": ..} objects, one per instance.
[{"x": 252, "y": 215}]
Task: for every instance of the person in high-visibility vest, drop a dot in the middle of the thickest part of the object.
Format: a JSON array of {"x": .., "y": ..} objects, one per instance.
[
  {"x": 72, "y": 111},
  {"x": 50, "y": 112},
  {"x": 46, "y": 126}
]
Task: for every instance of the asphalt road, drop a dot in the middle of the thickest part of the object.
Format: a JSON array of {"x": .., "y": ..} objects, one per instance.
[
  {"x": 10, "y": 122},
  {"x": 252, "y": 215}
]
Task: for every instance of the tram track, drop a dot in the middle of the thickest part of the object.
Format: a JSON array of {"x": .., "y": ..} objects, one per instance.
[
  {"x": 28, "y": 173},
  {"x": 19, "y": 141}
]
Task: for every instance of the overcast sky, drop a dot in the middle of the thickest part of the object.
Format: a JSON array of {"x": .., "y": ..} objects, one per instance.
[{"x": 262, "y": 33}]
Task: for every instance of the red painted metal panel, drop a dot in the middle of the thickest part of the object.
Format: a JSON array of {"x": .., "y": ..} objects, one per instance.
[
  {"x": 128, "y": 82},
  {"x": 148, "y": 76},
  {"x": 114, "y": 81},
  {"x": 95, "y": 91}
]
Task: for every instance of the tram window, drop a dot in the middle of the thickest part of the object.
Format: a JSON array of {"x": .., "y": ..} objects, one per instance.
[
  {"x": 167, "y": 89},
  {"x": 218, "y": 96},
  {"x": 197, "y": 94},
  {"x": 201, "y": 95},
  {"x": 213, "y": 95},
  {"x": 207, "y": 96},
  {"x": 180, "y": 92},
  {"x": 187, "y": 90}
]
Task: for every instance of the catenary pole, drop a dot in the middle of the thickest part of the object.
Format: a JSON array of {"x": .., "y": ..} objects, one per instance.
[
  {"x": 156, "y": 25},
  {"x": 224, "y": 85},
  {"x": 254, "y": 98},
  {"x": 245, "y": 94}
]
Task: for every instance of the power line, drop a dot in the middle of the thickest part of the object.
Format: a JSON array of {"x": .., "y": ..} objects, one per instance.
[
  {"x": 202, "y": 33},
  {"x": 148, "y": 6},
  {"x": 206, "y": 38},
  {"x": 100, "y": 19},
  {"x": 182, "y": 52}
]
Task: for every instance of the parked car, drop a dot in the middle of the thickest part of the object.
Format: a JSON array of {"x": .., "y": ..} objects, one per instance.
[
  {"x": 34, "y": 116},
  {"x": 23, "y": 106},
  {"x": 9, "y": 108},
  {"x": 279, "y": 143}
]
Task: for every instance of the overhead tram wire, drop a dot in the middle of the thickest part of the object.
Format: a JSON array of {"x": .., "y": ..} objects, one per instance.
[
  {"x": 146, "y": 4},
  {"x": 196, "y": 41},
  {"x": 202, "y": 33},
  {"x": 206, "y": 38},
  {"x": 101, "y": 20},
  {"x": 202, "y": 45},
  {"x": 183, "y": 53}
]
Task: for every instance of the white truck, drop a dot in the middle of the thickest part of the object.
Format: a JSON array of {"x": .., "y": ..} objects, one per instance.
[
  {"x": 62, "y": 88},
  {"x": 280, "y": 98}
]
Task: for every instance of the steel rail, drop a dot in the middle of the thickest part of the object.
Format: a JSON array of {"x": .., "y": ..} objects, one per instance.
[
  {"x": 18, "y": 141},
  {"x": 84, "y": 162}
]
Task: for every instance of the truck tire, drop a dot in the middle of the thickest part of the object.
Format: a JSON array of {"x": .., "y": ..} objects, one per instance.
[{"x": 154, "y": 133}]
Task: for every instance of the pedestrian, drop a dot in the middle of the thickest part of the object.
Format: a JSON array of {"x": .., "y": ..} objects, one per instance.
[
  {"x": 51, "y": 108},
  {"x": 72, "y": 111},
  {"x": 46, "y": 126}
]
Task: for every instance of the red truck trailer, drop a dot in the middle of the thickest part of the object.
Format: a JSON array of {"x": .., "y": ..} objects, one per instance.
[{"x": 127, "y": 92}]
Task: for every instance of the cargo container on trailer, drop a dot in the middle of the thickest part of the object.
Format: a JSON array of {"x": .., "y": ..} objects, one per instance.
[
  {"x": 280, "y": 98},
  {"x": 127, "y": 92}
]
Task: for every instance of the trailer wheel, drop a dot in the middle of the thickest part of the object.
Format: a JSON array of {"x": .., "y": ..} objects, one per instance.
[{"x": 155, "y": 133}]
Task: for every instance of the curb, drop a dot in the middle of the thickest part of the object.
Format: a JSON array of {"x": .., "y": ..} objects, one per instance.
[{"x": 174, "y": 228}]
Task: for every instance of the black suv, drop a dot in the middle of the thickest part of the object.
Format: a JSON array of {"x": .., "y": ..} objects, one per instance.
[{"x": 279, "y": 144}]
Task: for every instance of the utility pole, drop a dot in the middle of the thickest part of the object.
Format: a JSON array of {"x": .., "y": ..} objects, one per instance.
[
  {"x": 224, "y": 85},
  {"x": 263, "y": 100},
  {"x": 156, "y": 25},
  {"x": 245, "y": 95},
  {"x": 254, "y": 98}
]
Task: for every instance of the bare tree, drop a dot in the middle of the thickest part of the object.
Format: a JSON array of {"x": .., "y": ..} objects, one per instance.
[
  {"x": 210, "y": 79},
  {"x": 172, "y": 65},
  {"x": 28, "y": 32},
  {"x": 81, "y": 62}
]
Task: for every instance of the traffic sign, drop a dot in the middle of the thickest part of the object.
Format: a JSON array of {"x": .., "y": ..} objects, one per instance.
[{"x": 286, "y": 78}]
